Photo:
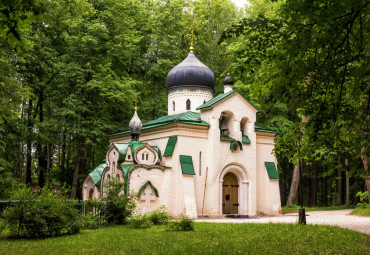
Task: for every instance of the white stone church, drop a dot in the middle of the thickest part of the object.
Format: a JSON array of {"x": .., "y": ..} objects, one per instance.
[{"x": 206, "y": 158}]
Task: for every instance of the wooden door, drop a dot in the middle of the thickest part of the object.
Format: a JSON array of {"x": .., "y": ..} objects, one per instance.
[{"x": 230, "y": 188}]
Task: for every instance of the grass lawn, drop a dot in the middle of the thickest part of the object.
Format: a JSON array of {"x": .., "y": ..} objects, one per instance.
[
  {"x": 362, "y": 211},
  {"x": 294, "y": 208},
  {"x": 208, "y": 238}
]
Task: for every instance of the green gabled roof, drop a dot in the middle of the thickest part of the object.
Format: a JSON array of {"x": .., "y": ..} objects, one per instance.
[
  {"x": 226, "y": 138},
  {"x": 97, "y": 173},
  {"x": 192, "y": 118},
  {"x": 187, "y": 164},
  {"x": 221, "y": 97},
  {"x": 170, "y": 146},
  {"x": 271, "y": 170},
  {"x": 143, "y": 187},
  {"x": 158, "y": 151},
  {"x": 122, "y": 149},
  {"x": 257, "y": 128}
]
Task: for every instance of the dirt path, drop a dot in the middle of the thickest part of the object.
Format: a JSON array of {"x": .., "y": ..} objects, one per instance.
[{"x": 341, "y": 218}]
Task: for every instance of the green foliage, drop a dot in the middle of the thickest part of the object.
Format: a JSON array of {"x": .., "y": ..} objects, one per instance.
[
  {"x": 140, "y": 220},
  {"x": 115, "y": 207},
  {"x": 363, "y": 198},
  {"x": 159, "y": 216},
  {"x": 90, "y": 221},
  {"x": 43, "y": 215},
  {"x": 183, "y": 224}
]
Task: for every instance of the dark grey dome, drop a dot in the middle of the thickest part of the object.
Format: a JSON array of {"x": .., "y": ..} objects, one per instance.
[
  {"x": 190, "y": 73},
  {"x": 228, "y": 80}
]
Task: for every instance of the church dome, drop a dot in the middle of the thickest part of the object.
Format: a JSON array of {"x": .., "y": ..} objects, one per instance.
[
  {"x": 135, "y": 126},
  {"x": 191, "y": 73},
  {"x": 228, "y": 80}
]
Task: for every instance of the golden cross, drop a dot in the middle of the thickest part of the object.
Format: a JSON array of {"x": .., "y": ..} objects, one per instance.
[
  {"x": 192, "y": 38},
  {"x": 136, "y": 101}
]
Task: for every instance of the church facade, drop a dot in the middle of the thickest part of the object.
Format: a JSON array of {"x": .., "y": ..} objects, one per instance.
[{"x": 205, "y": 158}]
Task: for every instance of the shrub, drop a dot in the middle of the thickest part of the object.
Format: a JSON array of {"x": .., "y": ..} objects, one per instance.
[
  {"x": 90, "y": 221},
  {"x": 183, "y": 224},
  {"x": 42, "y": 215},
  {"x": 115, "y": 207},
  {"x": 363, "y": 198},
  {"x": 159, "y": 216},
  {"x": 140, "y": 221}
]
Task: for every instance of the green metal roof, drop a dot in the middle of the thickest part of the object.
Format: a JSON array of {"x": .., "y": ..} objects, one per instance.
[
  {"x": 170, "y": 146},
  {"x": 143, "y": 187},
  {"x": 192, "y": 118},
  {"x": 227, "y": 138},
  {"x": 245, "y": 139},
  {"x": 221, "y": 97},
  {"x": 260, "y": 129},
  {"x": 126, "y": 169},
  {"x": 187, "y": 164},
  {"x": 158, "y": 151},
  {"x": 271, "y": 170},
  {"x": 97, "y": 173}
]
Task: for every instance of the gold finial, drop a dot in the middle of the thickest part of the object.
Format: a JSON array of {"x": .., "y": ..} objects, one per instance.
[
  {"x": 192, "y": 38},
  {"x": 136, "y": 101}
]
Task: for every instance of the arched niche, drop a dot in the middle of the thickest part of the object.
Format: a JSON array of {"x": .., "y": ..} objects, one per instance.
[{"x": 226, "y": 124}]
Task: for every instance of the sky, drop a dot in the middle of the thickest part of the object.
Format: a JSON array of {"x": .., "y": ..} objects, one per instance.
[{"x": 240, "y": 3}]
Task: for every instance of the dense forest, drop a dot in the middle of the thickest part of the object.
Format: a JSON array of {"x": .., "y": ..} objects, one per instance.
[{"x": 69, "y": 71}]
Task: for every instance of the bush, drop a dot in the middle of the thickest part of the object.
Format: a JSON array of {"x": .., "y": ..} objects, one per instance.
[
  {"x": 115, "y": 207},
  {"x": 42, "y": 215},
  {"x": 184, "y": 224},
  {"x": 140, "y": 221},
  {"x": 159, "y": 216},
  {"x": 363, "y": 198},
  {"x": 90, "y": 221}
]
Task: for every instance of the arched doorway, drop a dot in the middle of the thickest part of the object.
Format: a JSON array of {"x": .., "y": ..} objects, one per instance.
[
  {"x": 91, "y": 192},
  {"x": 230, "y": 191}
]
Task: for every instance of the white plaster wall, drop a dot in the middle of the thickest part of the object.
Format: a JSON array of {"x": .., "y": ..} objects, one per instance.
[
  {"x": 268, "y": 190},
  {"x": 196, "y": 96},
  {"x": 220, "y": 155},
  {"x": 139, "y": 177},
  {"x": 87, "y": 186}
]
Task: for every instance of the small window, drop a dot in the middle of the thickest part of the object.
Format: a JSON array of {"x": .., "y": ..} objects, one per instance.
[
  {"x": 173, "y": 105},
  {"x": 108, "y": 177},
  {"x": 117, "y": 176},
  {"x": 204, "y": 101},
  {"x": 147, "y": 156},
  {"x": 129, "y": 157},
  {"x": 142, "y": 156},
  {"x": 188, "y": 104}
]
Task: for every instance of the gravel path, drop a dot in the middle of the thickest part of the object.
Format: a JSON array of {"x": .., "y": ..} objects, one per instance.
[{"x": 341, "y": 218}]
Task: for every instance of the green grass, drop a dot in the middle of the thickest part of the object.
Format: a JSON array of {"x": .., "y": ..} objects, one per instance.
[
  {"x": 208, "y": 238},
  {"x": 362, "y": 210},
  {"x": 294, "y": 208}
]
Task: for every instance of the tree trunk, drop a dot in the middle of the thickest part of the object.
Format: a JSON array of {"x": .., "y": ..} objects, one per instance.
[
  {"x": 325, "y": 190},
  {"x": 293, "y": 193},
  {"x": 77, "y": 166},
  {"x": 314, "y": 184},
  {"x": 365, "y": 162},
  {"x": 29, "y": 143},
  {"x": 339, "y": 181},
  {"x": 41, "y": 150},
  {"x": 347, "y": 183}
]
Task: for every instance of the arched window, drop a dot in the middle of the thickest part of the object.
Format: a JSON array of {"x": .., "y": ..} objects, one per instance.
[
  {"x": 142, "y": 156},
  {"x": 117, "y": 176},
  {"x": 204, "y": 101},
  {"x": 108, "y": 177},
  {"x": 113, "y": 167},
  {"x": 129, "y": 157},
  {"x": 147, "y": 156},
  {"x": 188, "y": 104},
  {"x": 173, "y": 105}
]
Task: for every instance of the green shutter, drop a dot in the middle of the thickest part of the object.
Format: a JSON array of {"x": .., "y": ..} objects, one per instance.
[
  {"x": 245, "y": 139},
  {"x": 187, "y": 165},
  {"x": 271, "y": 170},
  {"x": 170, "y": 146}
]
